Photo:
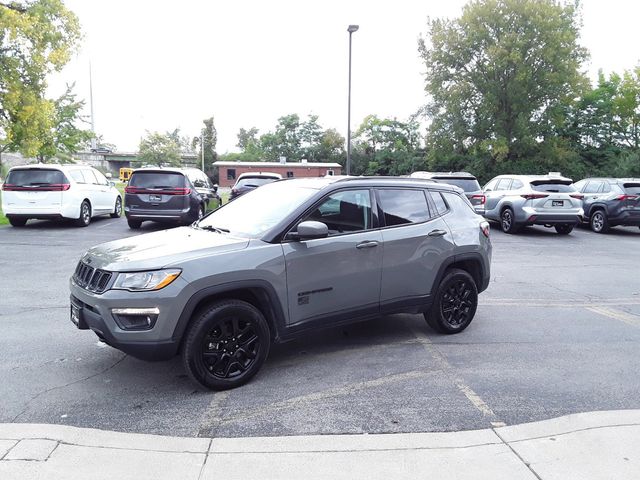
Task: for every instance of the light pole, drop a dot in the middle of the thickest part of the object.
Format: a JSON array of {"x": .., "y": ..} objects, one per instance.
[{"x": 351, "y": 29}]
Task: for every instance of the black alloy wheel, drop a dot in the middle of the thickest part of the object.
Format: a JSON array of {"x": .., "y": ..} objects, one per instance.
[
  {"x": 455, "y": 303},
  {"x": 226, "y": 344}
]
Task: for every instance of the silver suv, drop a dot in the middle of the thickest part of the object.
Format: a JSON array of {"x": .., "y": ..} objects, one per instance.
[
  {"x": 519, "y": 200},
  {"x": 283, "y": 260}
]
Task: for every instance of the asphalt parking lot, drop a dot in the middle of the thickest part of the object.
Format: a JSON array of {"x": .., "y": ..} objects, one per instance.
[{"x": 557, "y": 332}]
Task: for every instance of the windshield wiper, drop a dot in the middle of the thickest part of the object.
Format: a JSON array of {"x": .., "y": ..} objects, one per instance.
[{"x": 211, "y": 228}]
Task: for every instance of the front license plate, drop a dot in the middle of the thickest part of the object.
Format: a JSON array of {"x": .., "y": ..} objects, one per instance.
[
  {"x": 76, "y": 315},
  {"x": 557, "y": 203},
  {"x": 155, "y": 198}
]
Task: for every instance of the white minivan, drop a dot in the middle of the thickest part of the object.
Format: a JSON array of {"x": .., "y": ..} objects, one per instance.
[{"x": 49, "y": 191}]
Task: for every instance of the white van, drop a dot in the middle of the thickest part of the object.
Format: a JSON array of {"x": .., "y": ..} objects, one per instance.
[{"x": 76, "y": 192}]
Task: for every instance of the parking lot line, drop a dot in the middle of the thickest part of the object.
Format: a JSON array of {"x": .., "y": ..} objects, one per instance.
[
  {"x": 628, "y": 318},
  {"x": 446, "y": 367}
]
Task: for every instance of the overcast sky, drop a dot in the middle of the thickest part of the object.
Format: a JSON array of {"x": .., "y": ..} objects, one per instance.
[{"x": 159, "y": 65}]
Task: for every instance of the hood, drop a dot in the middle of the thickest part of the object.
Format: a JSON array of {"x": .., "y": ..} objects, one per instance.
[{"x": 158, "y": 249}]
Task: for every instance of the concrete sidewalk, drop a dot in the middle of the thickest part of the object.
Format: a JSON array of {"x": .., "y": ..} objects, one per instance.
[{"x": 597, "y": 445}]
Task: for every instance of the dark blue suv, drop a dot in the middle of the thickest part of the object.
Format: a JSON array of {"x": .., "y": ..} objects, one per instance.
[{"x": 610, "y": 201}]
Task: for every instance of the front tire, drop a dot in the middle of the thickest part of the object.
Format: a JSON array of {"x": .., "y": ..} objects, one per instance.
[
  {"x": 117, "y": 209},
  {"x": 564, "y": 229},
  {"x": 599, "y": 222},
  {"x": 85, "y": 215},
  {"x": 17, "y": 222},
  {"x": 226, "y": 344},
  {"x": 508, "y": 221},
  {"x": 455, "y": 303}
]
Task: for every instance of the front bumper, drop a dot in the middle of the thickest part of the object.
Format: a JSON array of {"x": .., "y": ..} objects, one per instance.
[{"x": 156, "y": 343}]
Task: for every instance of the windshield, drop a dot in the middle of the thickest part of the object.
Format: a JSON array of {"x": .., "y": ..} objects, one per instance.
[
  {"x": 254, "y": 181},
  {"x": 35, "y": 176},
  {"x": 157, "y": 180},
  {"x": 259, "y": 210},
  {"x": 466, "y": 184},
  {"x": 556, "y": 186}
]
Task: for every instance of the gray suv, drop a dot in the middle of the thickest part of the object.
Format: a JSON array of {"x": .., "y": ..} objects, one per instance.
[
  {"x": 609, "y": 202},
  {"x": 281, "y": 261},
  {"x": 519, "y": 200}
]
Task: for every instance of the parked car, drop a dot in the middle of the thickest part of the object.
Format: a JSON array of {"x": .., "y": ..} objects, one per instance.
[
  {"x": 162, "y": 195},
  {"x": 203, "y": 185},
  {"x": 467, "y": 182},
  {"x": 609, "y": 202},
  {"x": 519, "y": 200},
  {"x": 56, "y": 192},
  {"x": 281, "y": 261},
  {"x": 251, "y": 180}
]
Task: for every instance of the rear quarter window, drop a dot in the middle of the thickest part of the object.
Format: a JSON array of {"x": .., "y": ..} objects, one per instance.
[
  {"x": 457, "y": 203},
  {"x": 35, "y": 176},
  {"x": 157, "y": 180}
]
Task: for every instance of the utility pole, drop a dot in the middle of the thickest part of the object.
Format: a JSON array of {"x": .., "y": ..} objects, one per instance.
[{"x": 93, "y": 125}]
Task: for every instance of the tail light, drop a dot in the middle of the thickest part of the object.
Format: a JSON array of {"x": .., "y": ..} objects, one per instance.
[
  {"x": 577, "y": 196},
  {"x": 478, "y": 199},
  {"x": 54, "y": 187},
  {"x": 533, "y": 196},
  {"x": 484, "y": 227},
  {"x": 626, "y": 197}
]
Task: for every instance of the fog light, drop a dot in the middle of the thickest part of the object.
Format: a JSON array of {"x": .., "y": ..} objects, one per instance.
[{"x": 135, "y": 318}]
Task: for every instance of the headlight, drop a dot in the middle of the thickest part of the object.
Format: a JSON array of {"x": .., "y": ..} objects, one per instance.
[{"x": 145, "y": 281}]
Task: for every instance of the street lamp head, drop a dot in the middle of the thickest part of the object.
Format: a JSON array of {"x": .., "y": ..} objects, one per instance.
[{"x": 353, "y": 28}]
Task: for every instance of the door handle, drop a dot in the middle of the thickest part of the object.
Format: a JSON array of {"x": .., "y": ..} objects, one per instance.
[
  {"x": 367, "y": 244},
  {"x": 436, "y": 233}
]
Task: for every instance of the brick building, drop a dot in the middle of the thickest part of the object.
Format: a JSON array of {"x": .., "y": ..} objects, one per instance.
[{"x": 228, "y": 172}]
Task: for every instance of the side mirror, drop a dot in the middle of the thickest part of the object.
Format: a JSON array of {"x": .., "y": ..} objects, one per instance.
[
  {"x": 487, "y": 190},
  {"x": 113, "y": 184},
  {"x": 215, "y": 187},
  {"x": 309, "y": 230}
]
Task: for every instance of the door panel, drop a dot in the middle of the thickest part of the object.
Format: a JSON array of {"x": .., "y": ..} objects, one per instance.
[{"x": 330, "y": 275}]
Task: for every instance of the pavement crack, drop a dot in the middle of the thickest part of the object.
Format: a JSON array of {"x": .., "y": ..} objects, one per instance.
[
  {"x": 206, "y": 458},
  {"x": 518, "y": 456},
  {"x": 58, "y": 387}
]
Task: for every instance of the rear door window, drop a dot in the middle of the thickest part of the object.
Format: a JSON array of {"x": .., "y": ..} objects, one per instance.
[
  {"x": 592, "y": 187},
  {"x": 403, "y": 206},
  {"x": 90, "y": 177},
  {"x": 35, "y": 176},
  {"x": 503, "y": 184},
  {"x": 157, "y": 180}
]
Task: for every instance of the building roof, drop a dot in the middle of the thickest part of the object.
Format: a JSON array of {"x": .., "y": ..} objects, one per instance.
[{"x": 277, "y": 164}]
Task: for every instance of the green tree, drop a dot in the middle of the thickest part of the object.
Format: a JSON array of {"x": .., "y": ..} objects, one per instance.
[
  {"x": 499, "y": 77},
  {"x": 37, "y": 37},
  {"x": 64, "y": 137},
  {"x": 159, "y": 149},
  {"x": 331, "y": 147},
  {"x": 386, "y": 147},
  {"x": 249, "y": 144},
  {"x": 210, "y": 137}
]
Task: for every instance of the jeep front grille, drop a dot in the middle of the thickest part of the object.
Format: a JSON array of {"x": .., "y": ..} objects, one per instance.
[{"x": 92, "y": 279}]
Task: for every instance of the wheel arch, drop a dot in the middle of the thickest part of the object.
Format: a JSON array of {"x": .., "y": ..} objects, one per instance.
[
  {"x": 258, "y": 293},
  {"x": 471, "y": 263}
]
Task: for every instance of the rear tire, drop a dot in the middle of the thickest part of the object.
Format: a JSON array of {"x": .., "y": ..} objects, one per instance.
[
  {"x": 564, "y": 229},
  {"x": 599, "y": 222},
  {"x": 117, "y": 209},
  {"x": 455, "y": 303},
  {"x": 226, "y": 344},
  {"x": 134, "y": 224},
  {"x": 508, "y": 221},
  {"x": 85, "y": 215},
  {"x": 17, "y": 222}
]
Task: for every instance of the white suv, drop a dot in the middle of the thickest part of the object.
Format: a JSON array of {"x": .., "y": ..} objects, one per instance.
[{"x": 76, "y": 192}]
